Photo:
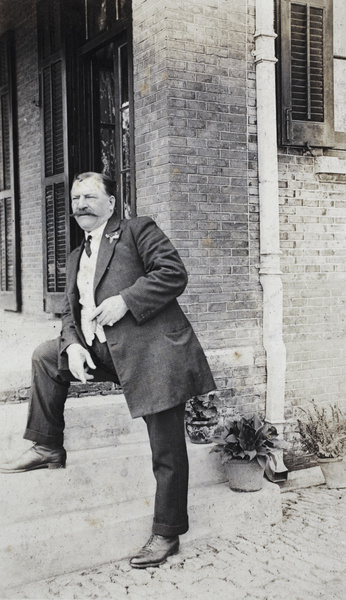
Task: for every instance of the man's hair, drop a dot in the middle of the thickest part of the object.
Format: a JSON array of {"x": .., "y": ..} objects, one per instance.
[{"x": 109, "y": 185}]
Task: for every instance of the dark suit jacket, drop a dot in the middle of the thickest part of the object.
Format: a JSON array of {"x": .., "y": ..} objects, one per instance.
[{"x": 156, "y": 354}]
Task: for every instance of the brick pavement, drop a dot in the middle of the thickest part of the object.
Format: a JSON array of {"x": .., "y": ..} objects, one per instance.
[{"x": 301, "y": 558}]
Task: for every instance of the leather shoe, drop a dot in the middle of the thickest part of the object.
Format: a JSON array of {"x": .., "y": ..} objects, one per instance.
[
  {"x": 37, "y": 457},
  {"x": 155, "y": 552}
]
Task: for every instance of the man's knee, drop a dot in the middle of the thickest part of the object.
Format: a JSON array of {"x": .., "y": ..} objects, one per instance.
[{"x": 46, "y": 351}]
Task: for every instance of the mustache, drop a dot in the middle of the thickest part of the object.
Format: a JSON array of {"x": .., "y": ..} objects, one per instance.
[{"x": 81, "y": 213}]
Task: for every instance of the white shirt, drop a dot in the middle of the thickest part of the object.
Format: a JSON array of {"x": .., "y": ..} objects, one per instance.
[{"x": 85, "y": 283}]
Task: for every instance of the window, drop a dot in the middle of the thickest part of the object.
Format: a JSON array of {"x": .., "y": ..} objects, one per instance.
[
  {"x": 107, "y": 123},
  {"x": 105, "y": 90},
  {"x": 86, "y": 116},
  {"x": 9, "y": 238},
  {"x": 309, "y": 113}
]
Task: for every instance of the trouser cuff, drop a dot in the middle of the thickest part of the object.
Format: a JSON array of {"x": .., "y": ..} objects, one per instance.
[
  {"x": 170, "y": 530},
  {"x": 43, "y": 439}
]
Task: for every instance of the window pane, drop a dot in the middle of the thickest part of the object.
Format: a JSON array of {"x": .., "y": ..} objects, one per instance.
[
  {"x": 124, "y": 8},
  {"x": 107, "y": 114},
  {"x": 126, "y": 194},
  {"x": 101, "y": 15},
  {"x": 124, "y": 75},
  {"x": 125, "y": 138},
  {"x": 108, "y": 156},
  {"x": 125, "y": 130}
]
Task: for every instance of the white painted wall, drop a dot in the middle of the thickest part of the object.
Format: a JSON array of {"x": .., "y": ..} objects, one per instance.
[{"x": 339, "y": 45}]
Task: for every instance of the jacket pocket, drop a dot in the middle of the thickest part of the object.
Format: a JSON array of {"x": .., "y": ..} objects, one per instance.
[{"x": 179, "y": 336}]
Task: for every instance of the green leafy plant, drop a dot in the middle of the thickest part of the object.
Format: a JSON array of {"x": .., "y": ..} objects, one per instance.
[
  {"x": 323, "y": 432},
  {"x": 248, "y": 439}
]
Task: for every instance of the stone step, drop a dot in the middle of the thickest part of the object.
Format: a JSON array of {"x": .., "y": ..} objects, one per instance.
[
  {"x": 95, "y": 478},
  {"x": 100, "y": 507},
  {"x": 91, "y": 422},
  {"x": 19, "y": 336},
  {"x": 53, "y": 544}
]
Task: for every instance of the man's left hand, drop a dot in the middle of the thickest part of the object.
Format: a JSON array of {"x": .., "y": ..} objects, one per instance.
[{"x": 110, "y": 311}]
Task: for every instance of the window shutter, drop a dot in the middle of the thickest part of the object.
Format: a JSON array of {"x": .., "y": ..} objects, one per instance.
[
  {"x": 9, "y": 238},
  {"x": 6, "y": 144},
  {"x": 54, "y": 124},
  {"x": 53, "y": 119},
  {"x": 56, "y": 239},
  {"x": 7, "y": 263},
  {"x": 306, "y": 73}
]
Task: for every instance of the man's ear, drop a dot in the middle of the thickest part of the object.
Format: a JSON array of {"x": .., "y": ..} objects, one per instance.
[{"x": 112, "y": 202}]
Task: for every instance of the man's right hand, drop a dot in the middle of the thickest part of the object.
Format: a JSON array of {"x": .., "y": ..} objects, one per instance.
[{"x": 79, "y": 360}]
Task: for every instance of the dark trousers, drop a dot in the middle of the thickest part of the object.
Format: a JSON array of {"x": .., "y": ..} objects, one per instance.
[{"x": 166, "y": 431}]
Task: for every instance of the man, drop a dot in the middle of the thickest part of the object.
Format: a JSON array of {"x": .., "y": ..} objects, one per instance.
[{"x": 121, "y": 322}]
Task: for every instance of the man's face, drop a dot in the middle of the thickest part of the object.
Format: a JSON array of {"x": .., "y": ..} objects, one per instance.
[{"x": 91, "y": 205}]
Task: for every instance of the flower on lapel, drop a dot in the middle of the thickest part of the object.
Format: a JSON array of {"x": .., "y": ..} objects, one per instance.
[{"x": 113, "y": 236}]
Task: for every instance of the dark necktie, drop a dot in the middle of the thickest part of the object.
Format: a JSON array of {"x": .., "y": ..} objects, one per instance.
[{"x": 87, "y": 245}]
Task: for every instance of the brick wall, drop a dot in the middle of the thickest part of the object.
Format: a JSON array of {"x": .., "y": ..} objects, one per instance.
[
  {"x": 313, "y": 241},
  {"x": 30, "y": 164},
  {"x": 197, "y": 172},
  {"x": 21, "y": 16}
]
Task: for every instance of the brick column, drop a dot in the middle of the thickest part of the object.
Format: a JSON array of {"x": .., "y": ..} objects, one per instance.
[{"x": 196, "y": 169}]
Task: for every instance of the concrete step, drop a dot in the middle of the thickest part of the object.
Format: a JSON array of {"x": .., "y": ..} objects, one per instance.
[
  {"x": 91, "y": 422},
  {"x": 19, "y": 336},
  {"x": 95, "y": 478},
  {"x": 100, "y": 507},
  {"x": 85, "y": 538}
]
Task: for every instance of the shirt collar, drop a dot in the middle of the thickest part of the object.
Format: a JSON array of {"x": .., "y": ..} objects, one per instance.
[{"x": 96, "y": 234}]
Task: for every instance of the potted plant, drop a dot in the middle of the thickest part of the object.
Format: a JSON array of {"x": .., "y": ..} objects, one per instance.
[
  {"x": 247, "y": 447},
  {"x": 201, "y": 418},
  {"x": 323, "y": 433}
]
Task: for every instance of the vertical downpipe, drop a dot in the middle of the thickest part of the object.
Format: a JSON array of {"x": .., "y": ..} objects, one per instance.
[{"x": 270, "y": 273}]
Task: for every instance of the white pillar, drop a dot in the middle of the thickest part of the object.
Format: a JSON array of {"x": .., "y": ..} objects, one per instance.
[{"x": 270, "y": 274}]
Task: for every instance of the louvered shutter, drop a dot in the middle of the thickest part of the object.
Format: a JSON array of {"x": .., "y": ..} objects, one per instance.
[
  {"x": 54, "y": 125},
  {"x": 306, "y": 69},
  {"x": 9, "y": 238}
]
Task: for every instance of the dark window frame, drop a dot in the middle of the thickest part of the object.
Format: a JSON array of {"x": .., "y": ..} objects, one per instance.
[
  {"x": 66, "y": 43},
  {"x": 120, "y": 35},
  {"x": 10, "y": 288}
]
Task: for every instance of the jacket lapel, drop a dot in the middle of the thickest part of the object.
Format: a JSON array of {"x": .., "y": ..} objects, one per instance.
[
  {"x": 109, "y": 240},
  {"x": 73, "y": 268}
]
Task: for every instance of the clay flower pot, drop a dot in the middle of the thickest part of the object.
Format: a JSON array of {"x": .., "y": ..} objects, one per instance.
[
  {"x": 244, "y": 475},
  {"x": 247, "y": 447},
  {"x": 334, "y": 471}
]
